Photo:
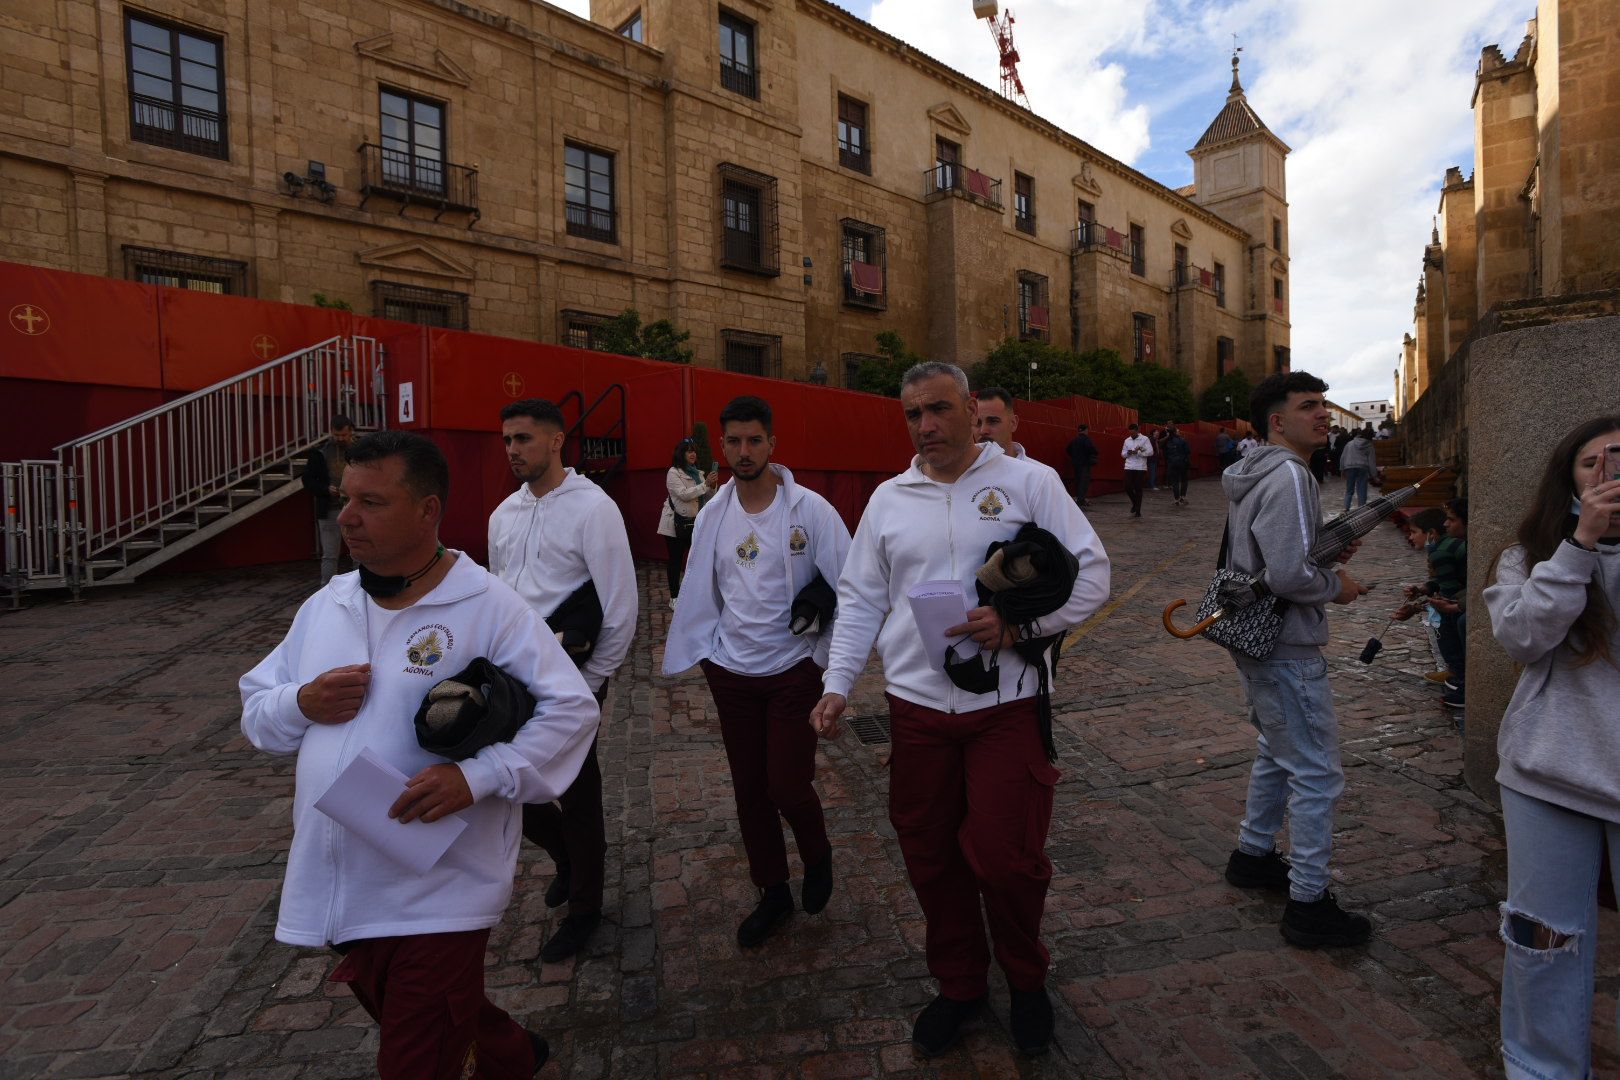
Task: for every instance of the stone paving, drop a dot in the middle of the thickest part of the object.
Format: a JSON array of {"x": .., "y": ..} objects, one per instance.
[{"x": 140, "y": 868}]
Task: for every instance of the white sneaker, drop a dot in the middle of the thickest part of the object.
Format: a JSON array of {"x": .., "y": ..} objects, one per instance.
[{"x": 672, "y": 603}]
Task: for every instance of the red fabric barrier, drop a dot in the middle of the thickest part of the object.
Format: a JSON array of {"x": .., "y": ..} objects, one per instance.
[
  {"x": 207, "y": 337},
  {"x": 77, "y": 328},
  {"x": 40, "y": 416}
]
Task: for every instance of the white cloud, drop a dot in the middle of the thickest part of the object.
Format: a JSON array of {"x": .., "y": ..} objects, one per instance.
[{"x": 1067, "y": 81}]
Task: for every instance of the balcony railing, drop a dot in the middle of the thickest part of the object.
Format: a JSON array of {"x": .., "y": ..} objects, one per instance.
[
  {"x": 744, "y": 250},
  {"x": 1095, "y": 236},
  {"x": 1024, "y": 223},
  {"x": 157, "y": 121},
  {"x": 591, "y": 224},
  {"x": 738, "y": 79},
  {"x": 963, "y": 181},
  {"x": 413, "y": 178}
]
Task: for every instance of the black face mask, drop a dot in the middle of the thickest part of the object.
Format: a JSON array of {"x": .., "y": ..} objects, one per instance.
[
  {"x": 971, "y": 675},
  {"x": 381, "y": 588}
]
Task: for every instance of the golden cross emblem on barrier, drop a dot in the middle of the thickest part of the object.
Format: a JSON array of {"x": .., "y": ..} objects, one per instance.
[
  {"x": 30, "y": 320},
  {"x": 264, "y": 346},
  {"x": 513, "y": 383}
]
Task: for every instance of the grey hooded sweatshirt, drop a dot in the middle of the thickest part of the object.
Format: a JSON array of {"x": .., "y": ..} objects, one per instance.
[
  {"x": 1560, "y": 735},
  {"x": 1274, "y": 515}
]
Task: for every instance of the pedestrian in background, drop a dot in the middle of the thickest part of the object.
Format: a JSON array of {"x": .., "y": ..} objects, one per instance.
[
  {"x": 686, "y": 489},
  {"x": 1357, "y": 463},
  {"x": 1177, "y": 460},
  {"x": 322, "y": 478},
  {"x": 1553, "y": 609},
  {"x": 1082, "y": 455},
  {"x": 1136, "y": 451}
]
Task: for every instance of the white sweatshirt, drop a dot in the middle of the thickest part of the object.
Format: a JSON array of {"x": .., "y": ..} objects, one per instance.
[
  {"x": 916, "y": 530},
  {"x": 1143, "y": 446},
  {"x": 695, "y": 628},
  {"x": 546, "y": 548},
  {"x": 337, "y": 887}
]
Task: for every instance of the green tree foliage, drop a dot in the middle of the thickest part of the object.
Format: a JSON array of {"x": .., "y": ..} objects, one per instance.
[
  {"x": 1157, "y": 393},
  {"x": 322, "y": 300},
  {"x": 1212, "y": 402},
  {"x": 1161, "y": 394},
  {"x": 661, "y": 340},
  {"x": 700, "y": 440},
  {"x": 882, "y": 375},
  {"x": 1058, "y": 372}
]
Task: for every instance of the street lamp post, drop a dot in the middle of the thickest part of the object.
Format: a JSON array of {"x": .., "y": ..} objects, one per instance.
[
  {"x": 1229, "y": 412},
  {"x": 1029, "y": 385}
]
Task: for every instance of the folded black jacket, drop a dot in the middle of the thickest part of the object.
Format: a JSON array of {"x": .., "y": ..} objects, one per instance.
[
  {"x": 579, "y": 620},
  {"x": 479, "y": 707},
  {"x": 813, "y": 607}
]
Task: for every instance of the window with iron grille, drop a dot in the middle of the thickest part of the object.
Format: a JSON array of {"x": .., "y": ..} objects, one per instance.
[
  {"x": 176, "y": 86},
  {"x": 1280, "y": 358},
  {"x": 415, "y": 304},
  {"x": 852, "y": 362},
  {"x": 1024, "y": 203},
  {"x": 854, "y": 144},
  {"x": 739, "y": 66},
  {"x": 1034, "y": 316},
  {"x": 1225, "y": 352},
  {"x": 1142, "y": 344},
  {"x": 747, "y": 353},
  {"x": 413, "y": 150},
  {"x": 865, "y": 265},
  {"x": 631, "y": 28},
  {"x": 1087, "y": 214},
  {"x": 579, "y": 328},
  {"x": 1138, "y": 251},
  {"x": 1220, "y": 285},
  {"x": 748, "y": 221},
  {"x": 151, "y": 266},
  {"x": 588, "y": 193}
]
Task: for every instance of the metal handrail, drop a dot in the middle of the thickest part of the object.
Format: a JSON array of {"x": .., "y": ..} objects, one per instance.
[{"x": 138, "y": 473}]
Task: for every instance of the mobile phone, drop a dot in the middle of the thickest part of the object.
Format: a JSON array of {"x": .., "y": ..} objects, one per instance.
[
  {"x": 1611, "y": 463},
  {"x": 714, "y": 468}
]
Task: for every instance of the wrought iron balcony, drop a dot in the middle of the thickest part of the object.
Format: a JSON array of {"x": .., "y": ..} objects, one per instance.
[
  {"x": 413, "y": 178},
  {"x": 745, "y": 250},
  {"x": 946, "y": 178},
  {"x": 197, "y": 131},
  {"x": 592, "y": 224},
  {"x": 739, "y": 79},
  {"x": 1095, "y": 236}
]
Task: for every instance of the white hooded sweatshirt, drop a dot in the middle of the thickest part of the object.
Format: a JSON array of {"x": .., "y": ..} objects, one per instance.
[
  {"x": 546, "y": 548},
  {"x": 339, "y": 888},
  {"x": 915, "y": 530},
  {"x": 694, "y": 631}
]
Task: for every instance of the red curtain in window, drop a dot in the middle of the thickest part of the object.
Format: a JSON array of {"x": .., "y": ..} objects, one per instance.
[{"x": 866, "y": 277}]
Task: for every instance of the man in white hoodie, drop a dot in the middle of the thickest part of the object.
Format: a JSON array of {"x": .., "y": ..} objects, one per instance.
[
  {"x": 996, "y": 419},
  {"x": 970, "y": 789},
  {"x": 755, "y": 547},
  {"x": 555, "y": 534},
  {"x": 348, "y": 677}
]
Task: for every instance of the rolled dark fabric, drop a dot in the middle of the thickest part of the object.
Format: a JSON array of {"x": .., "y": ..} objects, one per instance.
[
  {"x": 579, "y": 620},
  {"x": 480, "y": 706},
  {"x": 814, "y": 606},
  {"x": 1025, "y": 579}
]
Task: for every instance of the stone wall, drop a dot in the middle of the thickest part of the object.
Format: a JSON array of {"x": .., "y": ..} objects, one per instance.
[{"x": 1534, "y": 384}]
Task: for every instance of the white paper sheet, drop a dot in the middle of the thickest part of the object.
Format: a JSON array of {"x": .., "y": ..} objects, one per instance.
[
  {"x": 937, "y": 606},
  {"x": 359, "y": 800}
]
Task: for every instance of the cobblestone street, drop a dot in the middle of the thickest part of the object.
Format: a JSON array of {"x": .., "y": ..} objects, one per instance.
[{"x": 140, "y": 869}]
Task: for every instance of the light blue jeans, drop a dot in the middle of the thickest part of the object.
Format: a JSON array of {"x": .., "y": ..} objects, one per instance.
[
  {"x": 1355, "y": 484},
  {"x": 1296, "y": 767},
  {"x": 1549, "y": 925}
]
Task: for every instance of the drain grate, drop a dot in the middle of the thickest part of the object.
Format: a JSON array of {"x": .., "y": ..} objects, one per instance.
[{"x": 871, "y": 730}]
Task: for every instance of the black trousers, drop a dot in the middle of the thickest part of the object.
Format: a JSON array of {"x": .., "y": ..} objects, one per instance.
[
  {"x": 572, "y": 832},
  {"x": 1082, "y": 481},
  {"x": 1178, "y": 479},
  {"x": 678, "y": 549},
  {"x": 1134, "y": 479}
]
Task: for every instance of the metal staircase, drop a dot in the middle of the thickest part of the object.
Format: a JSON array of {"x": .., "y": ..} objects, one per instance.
[
  {"x": 130, "y": 497},
  {"x": 599, "y": 456}
]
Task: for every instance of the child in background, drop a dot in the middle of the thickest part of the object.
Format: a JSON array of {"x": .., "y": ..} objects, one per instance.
[{"x": 1444, "y": 536}]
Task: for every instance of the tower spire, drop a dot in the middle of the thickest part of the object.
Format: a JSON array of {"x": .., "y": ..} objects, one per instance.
[{"x": 1237, "y": 87}]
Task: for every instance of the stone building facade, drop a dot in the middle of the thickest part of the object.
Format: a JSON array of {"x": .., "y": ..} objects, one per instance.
[
  {"x": 779, "y": 177},
  {"x": 1539, "y": 216}
]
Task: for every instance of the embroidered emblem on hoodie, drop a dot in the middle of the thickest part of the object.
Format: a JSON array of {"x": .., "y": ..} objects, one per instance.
[
  {"x": 748, "y": 550},
  {"x": 798, "y": 540},
  {"x": 426, "y": 647},
  {"x": 991, "y": 502}
]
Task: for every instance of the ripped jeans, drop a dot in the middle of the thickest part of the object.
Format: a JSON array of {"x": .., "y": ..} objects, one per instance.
[{"x": 1548, "y": 927}]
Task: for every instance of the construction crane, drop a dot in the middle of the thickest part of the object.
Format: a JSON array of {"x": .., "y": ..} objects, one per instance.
[{"x": 1001, "y": 29}]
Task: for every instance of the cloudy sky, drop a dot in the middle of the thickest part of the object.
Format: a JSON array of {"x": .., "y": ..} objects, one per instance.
[{"x": 1372, "y": 96}]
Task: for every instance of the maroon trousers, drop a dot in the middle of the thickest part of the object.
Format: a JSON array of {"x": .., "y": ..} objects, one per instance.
[
  {"x": 573, "y": 832},
  {"x": 970, "y": 797},
  {"x": 771, "y": 747},
  {"x": 426, "y": 991}
]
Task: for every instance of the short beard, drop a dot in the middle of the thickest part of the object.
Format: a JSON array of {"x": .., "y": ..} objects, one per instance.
[{"x": 755, "y": 475}]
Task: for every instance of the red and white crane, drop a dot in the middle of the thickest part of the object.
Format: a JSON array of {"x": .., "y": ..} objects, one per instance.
[{"x": 1001, "y": 29}]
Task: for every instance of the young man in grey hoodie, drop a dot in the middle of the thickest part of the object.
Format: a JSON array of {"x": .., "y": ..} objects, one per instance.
[{"x": 1273, "y": 519}]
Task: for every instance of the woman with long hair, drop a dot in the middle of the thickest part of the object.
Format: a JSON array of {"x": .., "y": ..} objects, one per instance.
[
  {"x": 686, "y": 489},
  {"x": 1552, "y": 607}
]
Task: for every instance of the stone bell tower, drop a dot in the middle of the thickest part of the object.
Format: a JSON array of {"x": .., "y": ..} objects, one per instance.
[{"x": 1241, "y": 174}]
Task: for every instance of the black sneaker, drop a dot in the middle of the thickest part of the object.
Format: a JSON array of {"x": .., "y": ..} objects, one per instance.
[
  {"x": 940, "y": 1024},
  {"x": 572, "y": 934},
  {"x": 542, "y": 1050},
  {"x": 775, "y": 905},
  {"x": 1268, "y": 871},
  {"x": 818, "y": 881},
  {"x": 1031, "y": 1021},
  {"x": 1450, "y": 684},
  {"x": 557, "y": 891},
  {"x": 1453, "y": 699},
  {"x": 1323, "y": 924}
]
